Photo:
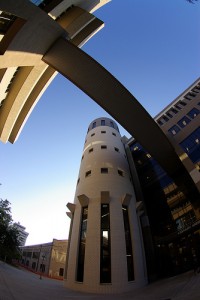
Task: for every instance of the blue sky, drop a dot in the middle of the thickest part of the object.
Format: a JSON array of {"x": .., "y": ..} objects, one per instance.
[{"x": 152, "y": 47}]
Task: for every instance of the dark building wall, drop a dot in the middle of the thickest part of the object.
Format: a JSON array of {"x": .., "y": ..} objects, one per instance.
[{"x": 173, "y": 219}]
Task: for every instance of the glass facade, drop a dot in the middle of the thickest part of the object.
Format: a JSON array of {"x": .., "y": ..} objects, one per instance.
[
  {"x": 105, "y": 260},
  {"x": 174, "y": 221},
  {"x": 82, "y": 242},
  {"x": 174, "y": 130},
  {"x": 129, "y": 252},
  {"x": 191, "y": 145}
]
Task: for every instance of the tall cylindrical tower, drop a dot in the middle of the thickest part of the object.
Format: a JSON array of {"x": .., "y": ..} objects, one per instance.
[{"x": 105, "y": 253}]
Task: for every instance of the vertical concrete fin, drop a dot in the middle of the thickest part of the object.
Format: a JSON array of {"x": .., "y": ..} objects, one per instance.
[
  {"x": 126, "y": 199},
  {"x": 105, "y": 197},
  {"x": 83, "y": 199}
]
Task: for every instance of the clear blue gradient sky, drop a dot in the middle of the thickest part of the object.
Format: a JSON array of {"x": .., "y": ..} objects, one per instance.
[{"x": 153, "y": 48}]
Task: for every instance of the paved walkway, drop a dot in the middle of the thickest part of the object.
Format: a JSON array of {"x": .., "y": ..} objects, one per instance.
[{"x": 18, "y": 284}]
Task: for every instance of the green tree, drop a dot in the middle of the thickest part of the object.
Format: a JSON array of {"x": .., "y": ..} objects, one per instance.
[{"x": 9, "y": 242}]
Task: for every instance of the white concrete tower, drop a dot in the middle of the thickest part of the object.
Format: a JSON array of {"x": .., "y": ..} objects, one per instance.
[{"x": 105, "y": 253}]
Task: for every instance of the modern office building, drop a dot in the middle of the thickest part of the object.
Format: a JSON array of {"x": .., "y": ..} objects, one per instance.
[
  {"x": 105, "y": 253},
  {"x": 174, "y": 219},
  {"x": 46, "y": 259},
  {"x": 22, "y": 236},
  {"x": 180, "y": 122}
]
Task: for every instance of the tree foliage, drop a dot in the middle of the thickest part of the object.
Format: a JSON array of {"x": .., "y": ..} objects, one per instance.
[{"x": 9, "y": 243}]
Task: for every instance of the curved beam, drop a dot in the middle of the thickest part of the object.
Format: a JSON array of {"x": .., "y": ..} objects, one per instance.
[
  {"x": 111, "y": 95},
  {"x": 19, "y": 50}
]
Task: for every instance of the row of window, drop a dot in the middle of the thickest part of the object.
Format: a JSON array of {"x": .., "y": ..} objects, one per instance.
[
  {"x": 184, "y": 121},
  {"x": 105, "y": 245},
  {"x": 103, "y": 123},
  {"x": 103, "y": 132},
  {"x": 178, "y": 106},
  {"x": 103, "y": 171},
  {"x": 102, "y": 147}
]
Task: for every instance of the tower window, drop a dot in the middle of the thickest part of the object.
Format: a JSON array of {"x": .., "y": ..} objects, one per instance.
[
  {"x": 120, "y": 172},
  {"x": 113, "y": 133},
  {"x": 103, "y": 147},
  {"x": 105, "y": 257},
  {"x": 82, "y": 242},
  {"x": 103, "y": 131},
  {"x": 129, "y": 252},
  {"x": 88, "y": 173},
  {"x": 116, "y": 149},
  {"x": 92, "y": 134},
  {"x": 90, "y": 150},
  {"x": 103, "y": 123},
  {"x": 111, "y": 124},
  {"x": 94, "y": 125},
  {"x": 104, "y": 170}
]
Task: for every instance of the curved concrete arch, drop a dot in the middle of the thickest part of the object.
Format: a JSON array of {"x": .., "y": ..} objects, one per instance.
[
  {"x": 110, "y": 94},
  {"x": 19, "y": 51}
]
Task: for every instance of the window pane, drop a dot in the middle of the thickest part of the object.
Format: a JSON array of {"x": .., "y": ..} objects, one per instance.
[
  {"x": 193, "y": 113},
  {"x": 104, "y": 170},
  {"x": 183, "y": 122},
  {"x": 105, "y": 261},
  {"x": 129, "y": 252},
  {"x": 191, "y": 145},
  {"x": 120, "y": 172},
  {"x": 88, "y": 173},
  {"x": 82, "y": 242},
  {"x": 111, "y": 124},
  {"x": 174, "y": 130}
]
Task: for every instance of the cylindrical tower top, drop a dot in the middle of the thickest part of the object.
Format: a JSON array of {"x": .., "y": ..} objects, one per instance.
[{"x": 103, "y": 122}]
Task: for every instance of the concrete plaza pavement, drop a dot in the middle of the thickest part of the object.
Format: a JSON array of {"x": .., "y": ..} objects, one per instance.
[{"x": 19, "y": 284}]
